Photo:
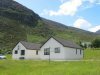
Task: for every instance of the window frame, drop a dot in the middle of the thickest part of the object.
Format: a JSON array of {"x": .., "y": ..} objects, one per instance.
[
  {"x": 80, "y": 51},
  {"x": 57, "y": 50},
  {"x": 47, "y": 51},
  {"x": 76, "y": 51},
  {"x": 22, "y": 52}
]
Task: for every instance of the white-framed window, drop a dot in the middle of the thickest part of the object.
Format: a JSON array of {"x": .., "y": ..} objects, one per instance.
[
  {"x": 47, "y": 51},
  {"x": 57, "y": 50}
]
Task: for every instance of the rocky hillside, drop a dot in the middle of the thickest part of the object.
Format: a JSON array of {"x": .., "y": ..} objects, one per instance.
[{"x": 16, "y": 11}]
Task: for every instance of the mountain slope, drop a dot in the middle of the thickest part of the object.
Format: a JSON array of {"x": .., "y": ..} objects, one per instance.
[
  {"x": 98, "y": 32},
  {"x": 68, "y": 32},
  {"x": 20, "y": 23},
  {"x": 16, "y": 11}
]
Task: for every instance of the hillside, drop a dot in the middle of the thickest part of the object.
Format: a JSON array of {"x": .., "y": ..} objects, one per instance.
[
  {"x": 68, "y": 32},
  {"x": 16, "y": 11},
  {"x": 98, "y": 32},
  {"x": 20, "y": 23}
]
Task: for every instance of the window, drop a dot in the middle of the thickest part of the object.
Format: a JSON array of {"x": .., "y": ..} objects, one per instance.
[
  {"x": 80, "y": 51},
  {"x": 22, "y": 52},
  {"x": 36, "y": 52},
  {"x": 76, "y": 51},
  {"x": 57, "y": 50},
  {"x": 47, "y": 51},
  {"x": 16, "y": 52},
  {"x": 18, "y": 47}
]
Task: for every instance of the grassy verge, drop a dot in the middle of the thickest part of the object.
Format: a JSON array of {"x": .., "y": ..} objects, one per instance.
[{"x": 31, "y": 67}]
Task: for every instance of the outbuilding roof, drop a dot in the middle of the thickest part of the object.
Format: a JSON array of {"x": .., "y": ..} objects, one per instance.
[{"x": 31, "y": 46}]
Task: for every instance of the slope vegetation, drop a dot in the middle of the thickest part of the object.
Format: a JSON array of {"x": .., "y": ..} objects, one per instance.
[{"x": 20, "y": 23}]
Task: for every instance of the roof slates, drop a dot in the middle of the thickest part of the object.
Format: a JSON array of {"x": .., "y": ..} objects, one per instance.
[{"x": 31, "y": 46}]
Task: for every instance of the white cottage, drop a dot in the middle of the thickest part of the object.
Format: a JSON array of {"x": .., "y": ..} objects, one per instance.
[
  {"x": 52, "y": 49},
  {"x": 59, "y": 49},
  {"x": 26, "y": 50}
]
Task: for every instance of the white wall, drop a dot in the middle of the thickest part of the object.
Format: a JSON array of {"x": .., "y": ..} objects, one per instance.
[
  {"x": 52, "y": 44},
  {"x": 70, "y": 54},
  {"x": 29, "y": 54}
]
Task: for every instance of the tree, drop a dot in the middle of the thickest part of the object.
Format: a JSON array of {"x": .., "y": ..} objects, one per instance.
[
  {"x": 80, "y": 43},
  {"x": 85, "y": 46},
  {"x": 96, "y": 43}
]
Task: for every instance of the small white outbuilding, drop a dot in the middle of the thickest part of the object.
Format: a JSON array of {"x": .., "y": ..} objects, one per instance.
[
  {"x": 26, "y": 50},
  {"x": 52, "y": 49}
]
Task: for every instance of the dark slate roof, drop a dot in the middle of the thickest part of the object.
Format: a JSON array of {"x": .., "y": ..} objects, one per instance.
[
  {"x": 67, "y": 43},
  {"x": 31, "y": 46}
]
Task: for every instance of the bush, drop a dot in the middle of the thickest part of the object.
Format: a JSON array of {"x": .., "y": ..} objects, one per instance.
[{"x": 96, "y": 43}]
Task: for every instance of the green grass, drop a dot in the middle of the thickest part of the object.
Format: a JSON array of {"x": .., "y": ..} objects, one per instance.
[
  {"x": 31, "y": 67},
  {"x": 92, "y": 54}
]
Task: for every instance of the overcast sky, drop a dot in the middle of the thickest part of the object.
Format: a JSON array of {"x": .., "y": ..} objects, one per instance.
[{"x": 83, "y": 14}]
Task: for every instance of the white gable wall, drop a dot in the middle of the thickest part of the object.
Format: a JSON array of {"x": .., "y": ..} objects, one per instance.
[
  {"x": 52, "y": 44},
  {"x": 21, "y": 47}
]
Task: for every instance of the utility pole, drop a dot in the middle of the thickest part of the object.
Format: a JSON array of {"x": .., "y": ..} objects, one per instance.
[{"x": 49, "y": 54}]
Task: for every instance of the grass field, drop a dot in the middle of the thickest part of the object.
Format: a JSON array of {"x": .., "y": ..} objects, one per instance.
[
  {"x": 31, "y": 67},
  {"x": 93, "y": 54}
]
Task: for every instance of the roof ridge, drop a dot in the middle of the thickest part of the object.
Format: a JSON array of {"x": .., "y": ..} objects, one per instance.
[{"x": 29, "y": 42}]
